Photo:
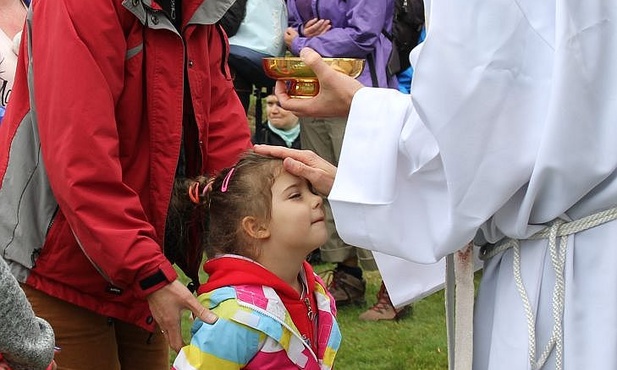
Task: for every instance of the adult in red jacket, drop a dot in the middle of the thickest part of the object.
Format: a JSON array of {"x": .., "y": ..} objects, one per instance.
[{"x": 112, "y": 100}]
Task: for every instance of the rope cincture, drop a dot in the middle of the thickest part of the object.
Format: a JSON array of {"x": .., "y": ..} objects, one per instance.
[{"x": 558, "y": 229}]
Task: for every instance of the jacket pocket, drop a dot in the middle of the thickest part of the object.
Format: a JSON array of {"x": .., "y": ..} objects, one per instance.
[{"x": 225, "y": 46}]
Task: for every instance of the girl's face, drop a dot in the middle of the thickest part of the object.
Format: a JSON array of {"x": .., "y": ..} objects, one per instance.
[{"x": 298, "y": 218}]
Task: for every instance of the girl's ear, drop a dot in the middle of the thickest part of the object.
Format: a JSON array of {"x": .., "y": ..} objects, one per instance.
[{"x": 255, "y": 228}]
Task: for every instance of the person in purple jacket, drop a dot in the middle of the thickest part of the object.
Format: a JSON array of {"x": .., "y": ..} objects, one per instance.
[{"x": 350, "y": 29}]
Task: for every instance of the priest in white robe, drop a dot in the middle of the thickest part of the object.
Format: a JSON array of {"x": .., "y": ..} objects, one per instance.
[{"x": 510, "y": 136}]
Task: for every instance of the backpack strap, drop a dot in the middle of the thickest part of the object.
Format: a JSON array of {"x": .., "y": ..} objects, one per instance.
[{"x": 387, "y": 34}]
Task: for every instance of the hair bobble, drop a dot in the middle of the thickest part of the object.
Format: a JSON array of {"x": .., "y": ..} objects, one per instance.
[
  {"x": 208, "y": 187},
  {"x": 194, "y": 192},
  {"x": 195, "y": 195}
]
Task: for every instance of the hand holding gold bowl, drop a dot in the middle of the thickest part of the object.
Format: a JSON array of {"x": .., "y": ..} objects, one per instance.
[{"x": 301, "y": 81}]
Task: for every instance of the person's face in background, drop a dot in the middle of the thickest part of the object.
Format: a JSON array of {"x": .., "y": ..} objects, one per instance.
[{"x": 279, "y": 117}]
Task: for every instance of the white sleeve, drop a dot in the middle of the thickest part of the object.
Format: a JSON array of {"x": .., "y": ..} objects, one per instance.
[{"x": 390, "y": 184}]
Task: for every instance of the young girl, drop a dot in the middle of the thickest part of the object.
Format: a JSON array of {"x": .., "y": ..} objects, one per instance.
[{"x": 274, "y": 312}]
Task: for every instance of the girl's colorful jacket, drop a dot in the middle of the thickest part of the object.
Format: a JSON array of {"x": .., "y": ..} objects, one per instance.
[
  {"x": 255, "y": 329},
  {"x": 89, "y": 155}
]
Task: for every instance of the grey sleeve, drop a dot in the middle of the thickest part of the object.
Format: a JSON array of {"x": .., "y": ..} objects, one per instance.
[{"x": 26, "y": 341}]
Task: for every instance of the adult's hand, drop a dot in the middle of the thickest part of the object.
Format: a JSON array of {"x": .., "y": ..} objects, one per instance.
[
  {"x": 336, "y": 90},
  {"x": 304, "y": 163},
  {"x": 316, "y": 27},
  {"x": 167, "y": 304}
]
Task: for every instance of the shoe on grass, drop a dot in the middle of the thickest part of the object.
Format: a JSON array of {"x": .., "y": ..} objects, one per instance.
[
  {"x": 345, "y": 288},
  {"x": 383, "y": 309}
]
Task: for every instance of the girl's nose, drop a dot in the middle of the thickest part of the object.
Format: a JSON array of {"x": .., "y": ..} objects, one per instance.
[{"x": 318, "y": 200}]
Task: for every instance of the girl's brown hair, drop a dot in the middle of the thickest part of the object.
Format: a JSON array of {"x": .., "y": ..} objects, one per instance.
[{"x": 213, "y": 219}]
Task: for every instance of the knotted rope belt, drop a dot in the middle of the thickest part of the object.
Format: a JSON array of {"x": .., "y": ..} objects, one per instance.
[{"x": 557, "y": 234}]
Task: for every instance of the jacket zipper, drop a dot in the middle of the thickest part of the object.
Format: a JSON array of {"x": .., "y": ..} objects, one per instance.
[
  {"x": 311, "y": 314},
  {"x": 51, "y": 221},
  {"x": 37, "y": 251},
  {"x": 97, "y": 268}
]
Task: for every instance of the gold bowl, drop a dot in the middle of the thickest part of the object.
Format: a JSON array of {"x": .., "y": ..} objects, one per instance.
[{"x": 300, "y": 79}]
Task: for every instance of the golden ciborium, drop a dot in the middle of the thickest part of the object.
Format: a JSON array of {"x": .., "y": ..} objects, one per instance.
[{"x": 300, "y": 79}]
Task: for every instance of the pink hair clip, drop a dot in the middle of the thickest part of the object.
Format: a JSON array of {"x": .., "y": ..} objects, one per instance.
[{"x": 226, "y": 180}]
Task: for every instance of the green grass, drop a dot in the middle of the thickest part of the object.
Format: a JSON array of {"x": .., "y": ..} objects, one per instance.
[{"x": 417, "y": 342}]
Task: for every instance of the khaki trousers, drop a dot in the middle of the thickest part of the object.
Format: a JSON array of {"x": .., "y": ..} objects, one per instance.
[
  {"x": 324, "y": 136},
  {"x": 89, "y": 341}
]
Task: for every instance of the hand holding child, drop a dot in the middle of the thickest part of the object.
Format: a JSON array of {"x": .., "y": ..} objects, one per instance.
[{"x": 167, "y": 305}]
